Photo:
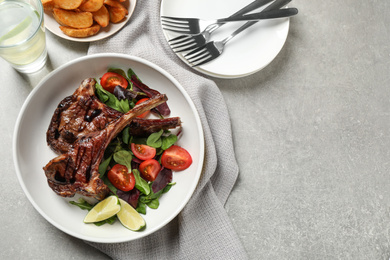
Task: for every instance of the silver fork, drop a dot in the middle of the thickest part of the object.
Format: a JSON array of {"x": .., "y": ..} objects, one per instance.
[
  {"x": 188, "y": 25},
  {"x": 214, "y": 49},
  {"x": 212, "y": 27},
  {"x": 187, "y": 42}
]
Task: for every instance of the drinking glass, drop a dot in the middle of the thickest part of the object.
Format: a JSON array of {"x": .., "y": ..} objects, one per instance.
[{"x": 22, "y": 34}]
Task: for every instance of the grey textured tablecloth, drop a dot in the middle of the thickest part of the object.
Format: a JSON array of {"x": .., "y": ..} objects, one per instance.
[
  {"x": 311, "y": 135},
  {"x": 202, "y": 230}
]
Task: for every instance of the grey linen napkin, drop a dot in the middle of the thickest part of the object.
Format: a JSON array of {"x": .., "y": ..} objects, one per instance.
[{"x": 203, "y": 229}]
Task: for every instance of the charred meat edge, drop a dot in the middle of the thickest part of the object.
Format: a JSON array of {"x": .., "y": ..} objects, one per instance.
[
  {"x": 82, "y": 113},
  {"x": 77, "y": 170}
]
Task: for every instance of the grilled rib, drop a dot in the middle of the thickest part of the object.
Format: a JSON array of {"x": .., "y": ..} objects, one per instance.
[
  {"x": 82, "y": 113},
  {"x": 76, "y": 171}
]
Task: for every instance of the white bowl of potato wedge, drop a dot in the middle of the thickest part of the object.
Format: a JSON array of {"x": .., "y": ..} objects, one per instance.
[{"x": 86, "y": 20}]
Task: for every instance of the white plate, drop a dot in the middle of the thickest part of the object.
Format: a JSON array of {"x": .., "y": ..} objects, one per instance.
[
  {"x": 52, "y": 25},
  {"x": 31, "y": 152},
  {"x": 248, "y": 52}
]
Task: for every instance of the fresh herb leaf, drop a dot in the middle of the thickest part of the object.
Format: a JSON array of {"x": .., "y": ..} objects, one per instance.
[
  {"x": 101, "y": 93},
  {"x": 151, "y": 200},
  {"x": 108, "y": 98},
  {"x": 154, "y": 140},
  {"x": 103, "y": 166},
  {"x": 168, "y": 141},
  {"x": 153, "y": 204},
  {"x": 112, "y": 101},
  {"x": 168, "y": 187},
  {"x": 119, "y": 71},
  {"x": 140, "y": 183},
  {"x": 156, "y": 195},
  {"x": 141, "y": 208},
  {"x": 123, "y": 157},
  {"x": 82, "y": 204},
  {"x": 123, "y": 105},
  {"x": 126, "y": 135},
  {"x": 130, "y": 73},
  {"x": 109, "y": 185}
]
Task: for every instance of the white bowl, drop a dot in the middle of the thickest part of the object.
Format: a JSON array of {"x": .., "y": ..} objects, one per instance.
[
  {"x": 246, "y": 54},
  {"x": 53, "y": 26},
  {"x": 31, "y": 152}
]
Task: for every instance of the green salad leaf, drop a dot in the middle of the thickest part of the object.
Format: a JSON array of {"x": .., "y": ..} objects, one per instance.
[
  {"x": 126, "y": 135},
  {"x": 82, "y": 204},
  {"x": 140, "y": 183},
  {"x": 103, "y": 166},
  {"x": 119, "y": 71},
  {"x": 154, "y": 140},
  {"x": 168, "y": 141},
  {"x": 110, "y": 100},
  {"x": 123, "y": 157}
]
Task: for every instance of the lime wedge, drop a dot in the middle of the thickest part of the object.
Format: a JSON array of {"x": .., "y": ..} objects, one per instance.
[
  {"x": 18, "y": 33},
  {"x": 103, "y": 210},
  {"x": 129, "y": 217}
]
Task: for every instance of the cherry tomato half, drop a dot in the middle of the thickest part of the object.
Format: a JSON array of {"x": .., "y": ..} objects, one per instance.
[
  {"x": 150, "y": 169},
  {"x": 145, "y": 113},
  {"x": 111, "y": 79},
  {"x": 121, "y": 178},
  {"x": 142, "y": 151},
  {"x": 176, "y": 158}
]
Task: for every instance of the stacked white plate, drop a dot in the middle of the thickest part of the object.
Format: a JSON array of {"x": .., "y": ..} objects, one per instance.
[{"x": 245, "y": 54}]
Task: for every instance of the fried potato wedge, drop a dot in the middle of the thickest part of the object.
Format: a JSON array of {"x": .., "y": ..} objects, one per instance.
[
  {"x": 91, "y": 5},
  {"x": 84, "y": 18},
  {"x": 102, "y": 17},
  {"x": 116, "y": 14},
  {"x": 116, "y": 10},
  {"x": 80, "y": 33},
  {"x": 114, "y": 3},
  {"x": 68, "y": 4},
  {"x": 48, "y": 5},
  {"x": 73, "y": 19}
]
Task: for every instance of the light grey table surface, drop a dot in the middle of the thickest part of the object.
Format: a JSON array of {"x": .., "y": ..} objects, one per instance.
[{"x": 311, "y": 134}]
